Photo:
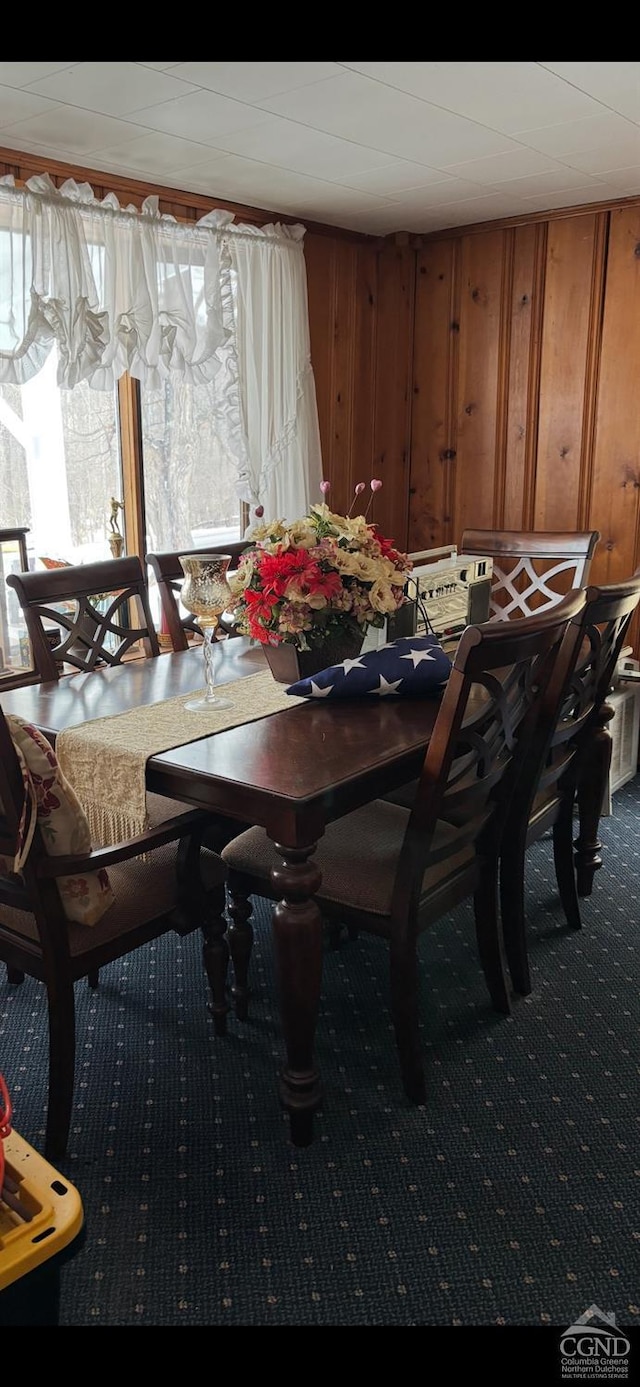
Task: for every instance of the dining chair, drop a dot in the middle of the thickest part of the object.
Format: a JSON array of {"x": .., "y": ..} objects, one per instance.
[
  {"x": 392, "y": 871},
  {"x": 532, "y": 569},
  {"x": 68, "y": 598},
  {"x": 573, "y": 771},
  {"x": 169, "y": 577},
  {"x": 162, "y": 880}
]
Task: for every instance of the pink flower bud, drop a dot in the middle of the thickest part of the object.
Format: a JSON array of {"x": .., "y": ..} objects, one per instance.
[
  {"x": 325, "y": 487},
  {"x": 259, "y": 512},
  {"x": 359, "y": 488},
  {"x": 375, "y": 484}
]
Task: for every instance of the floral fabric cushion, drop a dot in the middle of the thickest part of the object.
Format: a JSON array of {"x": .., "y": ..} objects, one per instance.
[
  {"x": 51, "y": 801},
  {"x": 410, "y": 667}
]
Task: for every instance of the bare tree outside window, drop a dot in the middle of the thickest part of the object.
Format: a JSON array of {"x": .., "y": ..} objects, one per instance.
[{"x": 189, "y": 478}]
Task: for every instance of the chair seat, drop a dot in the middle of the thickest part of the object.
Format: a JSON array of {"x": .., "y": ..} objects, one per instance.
[
  {"x": 141, "y": 894},
  {"x": 357, "y": 856},
  {"x": 160, "y": 808}
]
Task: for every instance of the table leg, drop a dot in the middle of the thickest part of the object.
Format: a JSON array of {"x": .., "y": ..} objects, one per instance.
[
  {"x": 215, "y": 956},
  {"x": 297, "y": 934},
  {"x": 592, "y": 788}
]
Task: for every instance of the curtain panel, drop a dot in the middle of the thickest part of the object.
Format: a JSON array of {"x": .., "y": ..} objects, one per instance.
[{"x": 214, "y": 301}]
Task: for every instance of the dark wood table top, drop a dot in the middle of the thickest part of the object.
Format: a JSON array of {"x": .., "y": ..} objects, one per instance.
[{"x": 292, "y": 771}]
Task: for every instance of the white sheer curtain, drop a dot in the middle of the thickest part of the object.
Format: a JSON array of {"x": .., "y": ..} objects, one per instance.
[
  {"x": 120, "y": 290},
  {"x": 274, "y": 362}
]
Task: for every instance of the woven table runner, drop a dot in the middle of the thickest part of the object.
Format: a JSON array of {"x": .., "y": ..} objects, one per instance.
[{"x": 105, "y": 760}]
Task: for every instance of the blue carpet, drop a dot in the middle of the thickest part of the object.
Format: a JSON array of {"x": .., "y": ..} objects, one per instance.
[{"x": 512, "y": 1198}]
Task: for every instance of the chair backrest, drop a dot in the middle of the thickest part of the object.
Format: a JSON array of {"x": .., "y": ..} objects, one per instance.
[
  {"x": 532, "y": 569},
  {"x": 92, "y": 603},
  {"x": 599, "y": 633},
  {"x": 608, "y": 614},
  {"x": 504, "y": 690},
  {"x": 169, "y": 576}
]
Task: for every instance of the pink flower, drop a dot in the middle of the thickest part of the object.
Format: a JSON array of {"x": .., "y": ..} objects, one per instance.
[
  {"x": 358, "y": 489},
  {"x": 375, "y": 485},
  {"x": 325, "y": 488},
  {"x": 259, "y": 512}
]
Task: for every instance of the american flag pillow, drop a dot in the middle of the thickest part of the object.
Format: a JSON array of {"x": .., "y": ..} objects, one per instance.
[{"x": 411, "y": 667}]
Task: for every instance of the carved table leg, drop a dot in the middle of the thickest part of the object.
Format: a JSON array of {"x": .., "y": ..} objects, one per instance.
[
  {"x": 215, "y": 954},
  {"x": 297, "y": 933},
  {"x": 592, "y": 787}
]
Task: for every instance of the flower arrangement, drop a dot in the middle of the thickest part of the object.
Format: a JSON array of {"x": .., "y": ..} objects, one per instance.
[{"x": 309, "y": 582}]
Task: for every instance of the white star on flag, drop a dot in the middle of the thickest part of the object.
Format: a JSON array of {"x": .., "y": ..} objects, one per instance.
[
  {"x": 417, "y": 656},
  {"x": 317, "y": 692},
  {"x": 386, "y": 687},
  {"x": 348, "y": 665}
]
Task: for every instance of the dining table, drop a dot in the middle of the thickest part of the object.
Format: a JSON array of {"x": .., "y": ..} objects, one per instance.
[{"x": 291, "y": 772}]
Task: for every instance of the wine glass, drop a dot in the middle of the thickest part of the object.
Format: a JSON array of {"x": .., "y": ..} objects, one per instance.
[{"x": 206, "y": 593}]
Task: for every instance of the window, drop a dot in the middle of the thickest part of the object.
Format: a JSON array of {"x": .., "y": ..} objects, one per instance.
[
  {"x": 59, "y": 467},
  {"x": 189, "y": 478}
]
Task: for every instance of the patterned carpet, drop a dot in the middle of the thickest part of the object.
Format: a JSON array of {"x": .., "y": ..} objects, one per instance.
[{"x": 512, "y": 1198}]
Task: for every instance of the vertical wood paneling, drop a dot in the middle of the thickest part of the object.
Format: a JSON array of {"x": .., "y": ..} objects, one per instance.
[
  {"x": 520, "y": 423},
  {"x": 394, "y": 352},
  {"x": 434, "y": 402},
  {"x": 338, "y": 464},
  {"x": 615, "y": 489},
  {"x": 364, "y": 369},
  {"x": 475, "y": 469},
  {"x": 342, "y": 280},
  {"x": 563, "y": 371},
  {"x": 319, "y": 253}
]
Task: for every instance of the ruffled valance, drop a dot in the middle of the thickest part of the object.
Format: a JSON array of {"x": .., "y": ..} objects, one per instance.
[{"x": 117, "y": 289}]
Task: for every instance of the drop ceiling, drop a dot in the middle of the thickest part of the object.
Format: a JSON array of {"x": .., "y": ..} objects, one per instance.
[{"x": 374, "y": 147}]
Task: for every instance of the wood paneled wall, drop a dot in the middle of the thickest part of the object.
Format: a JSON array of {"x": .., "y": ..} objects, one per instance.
[
  {"x": 526, "y": 372},
  {"x": 488, "y": 375}
]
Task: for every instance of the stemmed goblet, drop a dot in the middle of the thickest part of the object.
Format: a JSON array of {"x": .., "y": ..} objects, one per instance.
[{"x": 206, "y": 593}]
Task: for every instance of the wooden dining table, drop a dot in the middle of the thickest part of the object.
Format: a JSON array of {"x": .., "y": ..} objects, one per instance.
[{"x": 291, "y": 772}]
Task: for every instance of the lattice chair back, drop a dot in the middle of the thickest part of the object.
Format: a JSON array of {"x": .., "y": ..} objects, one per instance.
[
  {"x": 532, "y": 569},
  {"x": 91, "y": 606}
]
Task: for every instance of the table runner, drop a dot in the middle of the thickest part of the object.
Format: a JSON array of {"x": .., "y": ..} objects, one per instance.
[{"x": 105, "y": 760}]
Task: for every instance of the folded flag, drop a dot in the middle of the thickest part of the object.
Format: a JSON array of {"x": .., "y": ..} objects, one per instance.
[{"x": 410, "y": 667}]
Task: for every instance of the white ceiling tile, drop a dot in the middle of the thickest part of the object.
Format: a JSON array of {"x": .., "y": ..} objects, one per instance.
[
  {"x": 114, "y": 89},
  {"x": 246, "y": 180},
  {"x": 356, "y": 108},
  {"x": 616, "y": 85},
  {"x": 479, "y": 209},
  {"x": 155, "y": 152},
  {"x": 576, "y": 136},
  {"x": 20, "y": 74},
  {"x": 376, "y": 223},
  {"x": 254, "y": 81},
  {"x": 454, "y": 190},
  {"x": 79, "y": 132},
  {"x": 561, "y": 178},
  {"x": 604, "y": 157},
  {"x": 395, "y": 178},
  {"x": 289, "y": 145},
  {"x": 201, "y": 116},
  {"x": 506, "y": 96},
  {"x": 501, "y": 168},
  {"x": 624, "y": 181},
  {"x": 160, "y": 67},
  {"x": 589, "y": 192},
  {"x": 18, "y": 105}
]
